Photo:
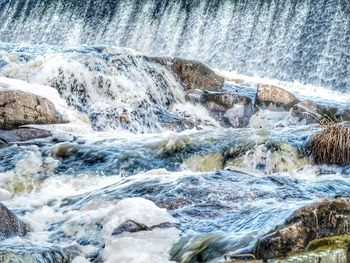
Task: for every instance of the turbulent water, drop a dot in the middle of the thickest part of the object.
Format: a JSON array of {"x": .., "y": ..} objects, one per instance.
[{"x": 135, "y": 148}]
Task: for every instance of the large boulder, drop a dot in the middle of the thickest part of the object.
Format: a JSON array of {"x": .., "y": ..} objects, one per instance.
[
  {"x": 196, "y": 75},
  {"x": 324, "y": 218},
  {"x": 230, "y": 110},
  {"x": 19, "y": 108},
  {"x": 191, "y": 74},
  {"x": 10, "y": 224},
  {"x": 276, "y": 96}
]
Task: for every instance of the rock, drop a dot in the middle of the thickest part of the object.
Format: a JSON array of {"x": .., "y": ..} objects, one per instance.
[
  {"x": 307, "y": 111},
  {"x": 32, "y": 254},
  {"x": 206, "y": 163},
  {"x": 192, "y": 74},
  {"x": 19, "y": 108},
  {"x": 130, "y": 226},
  {"x": 23, "y": 134},
  {"x": 230, "y": 110},
  {"x": 196, "y": 75},
  {"x": 2, "y": 143},
  {"x": 311, "y": 112},
  {"x": 269, "y": 157},
  {"x": 326, "y": 243},
  {"x": 324, "y": 218},
  {"x": 10, "y": 224},
  {"x": 276, "y": 96}
]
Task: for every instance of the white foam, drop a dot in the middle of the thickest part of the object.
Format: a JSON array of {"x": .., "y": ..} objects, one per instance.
[{"x": 144, "y": 246}]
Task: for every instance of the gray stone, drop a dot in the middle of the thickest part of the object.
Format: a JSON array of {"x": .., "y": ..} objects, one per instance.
[
  {"x": 19, "y": 108},
  {"x": 324, "y": 218},
  {"x": 275, "y": 96},
  {"x": 130, "y": 226},
  {"x": 10, "y": 224},
  {"x": 307, "y": 111},
  {"x": 23, "y": 134}
]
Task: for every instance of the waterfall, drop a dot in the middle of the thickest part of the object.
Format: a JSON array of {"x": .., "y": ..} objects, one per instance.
[{"x": 303, "y": 40}]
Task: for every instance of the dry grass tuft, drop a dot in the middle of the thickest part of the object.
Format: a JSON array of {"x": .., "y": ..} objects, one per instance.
[{"x": 332, "y": 145}]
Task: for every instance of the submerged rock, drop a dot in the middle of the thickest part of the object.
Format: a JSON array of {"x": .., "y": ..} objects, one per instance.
[
  {"x": 2, "y": 143},
  {"x": 130, "y": 226},
  {"x": 10, "y": 224},
  {"x": 196, "y": 75},
  {"x": 324, "y": 218},
  {"x": 269, "y": 157},
  {"x": 206, "y": 163},
  {"x": 23, "y": 134},
  {"x": 230, "y": 110},
  {"x": 29, "y": 254},
  {"x": 19, "y": 108},
  {"x": 276, "y": 96}
]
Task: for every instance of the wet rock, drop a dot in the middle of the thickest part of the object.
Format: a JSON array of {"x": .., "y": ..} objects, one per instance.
[
  {"x": 19, "y": 108},
  {"x": 311, "y": 112},
  {"x": 2, "y": 143},
  {"x": 131, "y": 227},
  {"x": 324, "y": 218},
  {"x": 206, "y": 163},
  {"x": 30, "y": 254},
  {"x": 23, "y": 134},
  {"x": 268, "y": 157},
  {"x": 196, "y": 75},
  {"x": 174, "y": 121},
  {"x": 329, "y": 256},
  {"x": 230, "y": 110},
  {"x": 327, "y": 243},
  {"x": 10, "y": 224},
  {"x": 307, "y": 111},
  {"x": 275, "y": 96}
]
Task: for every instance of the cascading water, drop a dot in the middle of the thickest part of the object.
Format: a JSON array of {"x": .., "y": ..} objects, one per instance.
[
  {"x": 150, "y": 166},
  {"x": 289, "y": 40}
]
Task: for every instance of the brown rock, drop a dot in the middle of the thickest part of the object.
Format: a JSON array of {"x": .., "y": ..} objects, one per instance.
[
  {"x": 276, "y": 96},
  {"x": 196, "y": 75},
  {"x": 192, "y": 74},
  {"x": 19, "y": 108},
  {"x": 324, "y": 218}
]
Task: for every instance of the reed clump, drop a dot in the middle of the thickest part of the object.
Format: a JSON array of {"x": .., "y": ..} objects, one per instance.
[{"x": 332, "y": 145}]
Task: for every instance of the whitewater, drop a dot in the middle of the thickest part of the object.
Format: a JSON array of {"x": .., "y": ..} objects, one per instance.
[{"x": 133, "y": 146}]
